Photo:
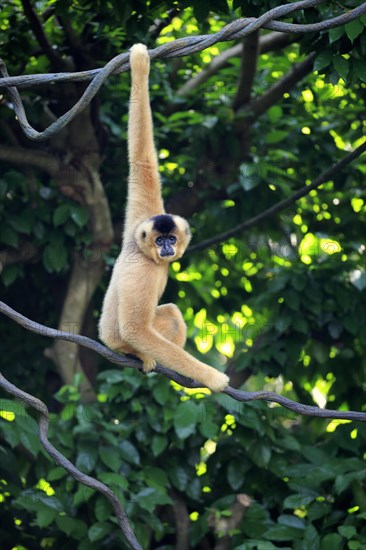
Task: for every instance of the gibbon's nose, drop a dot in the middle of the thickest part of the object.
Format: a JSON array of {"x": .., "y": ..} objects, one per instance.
[{"x": 166, "y": 249}]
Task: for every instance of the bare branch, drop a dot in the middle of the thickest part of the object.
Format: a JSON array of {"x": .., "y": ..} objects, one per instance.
[
  {"x": 20, "y": 155},
  {"x": 60, "y": 459},
  {"x": 262, "y": 103},
  {"x": 177, "y": 48},
  {"x": 302, "y": 192},
  {"x": 267, "y": 43},
  {"x": 41, "y": 37},
  {"x": 26, "y": 253},
  {"x": 248, "y": 68},
  {"x": 123, "y": 361}
]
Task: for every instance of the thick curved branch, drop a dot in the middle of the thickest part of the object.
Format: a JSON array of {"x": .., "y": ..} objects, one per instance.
[
  {"x": 123, "y": 361},
  {"x": 20, "y": 155},
  {"x": 61, "y": 460},
  {"x": 302, "y": 192},
  {"x": 183, "y": 46}
]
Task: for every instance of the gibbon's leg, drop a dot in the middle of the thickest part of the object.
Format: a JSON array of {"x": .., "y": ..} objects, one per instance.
[
  {"x": 153, "y": 344},
  {"x": 144, "y": 187},
  {"x": 169, "y": 322}
]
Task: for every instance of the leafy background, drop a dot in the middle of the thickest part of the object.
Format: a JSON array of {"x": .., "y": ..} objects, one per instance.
[{"x": 281, "y": 307}]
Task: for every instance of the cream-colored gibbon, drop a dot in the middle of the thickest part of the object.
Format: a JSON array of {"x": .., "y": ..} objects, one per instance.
[{"x": 132, "y": 321}]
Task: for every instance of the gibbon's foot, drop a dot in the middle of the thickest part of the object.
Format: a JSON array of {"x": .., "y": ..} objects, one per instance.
[
  {"x": 139, "y": 59},
  {"x": 218, "y": 381},
  {"x": 148, "y": 363}
]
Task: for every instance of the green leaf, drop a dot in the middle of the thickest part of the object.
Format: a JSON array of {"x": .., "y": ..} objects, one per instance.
[
  {"x": 162, "y": 392},
  {"x": 79, "y": 215},
  {"x": 87, "y": 458},
  {"x": 54, "y": 257},
  {"x": 201, "y": 10},
  {"x": 347, "y": 531},
  {"x": 8, "y": 236},
  {"x": 115, "y": 481},
  {"x": 61, "y": 214},
  {"x": 297, "y": 501},
  {"x": 209, "y": 429},
  {"x": 98, "y": 531},
  {"x": 275, "y": 136},
  {"x": 111, "y": 457},
  {"x": 354, "y": 29},
  {"x": 335, "y": 34},
  {"x": 30, "y": 442},
  {"x": 235, "y": 476},
  {"x": 56, "y": 473},
  {"x": 159, "y": 443},
  {"x": 311, "y": 539},
  {"x": 322, "y": 60},
  {"x": 185, "y": 419},
  {"x": 149, "y": 498},
  {"x": 45, "y": 517},
  {"x": 82, "y": 495},
  {"x": 112, "y": 376},
  {"x": 21, "y": 224},
  {"x": 331, "y": 542},
  {"x": 129, "y": 452},
  {"x": 10, "y": 274},
  {"x": 341, "y": 66},
  {"x": 275, "y": 113},
  {"x": 103, "y": 509},
  {"x": 283, "y": 533},
  {"x": 260, "y": 453},
  {"x": 178, "y": 476},
  {"x": 360, "y": 68},
  {"x": 156, "y": 477}
]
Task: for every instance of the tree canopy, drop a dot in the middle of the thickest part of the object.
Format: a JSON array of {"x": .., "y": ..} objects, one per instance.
[{"x": 280, "y": 306}]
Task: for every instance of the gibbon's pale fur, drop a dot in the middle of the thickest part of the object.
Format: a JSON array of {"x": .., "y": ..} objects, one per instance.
[{"x": 131, "y": 320}]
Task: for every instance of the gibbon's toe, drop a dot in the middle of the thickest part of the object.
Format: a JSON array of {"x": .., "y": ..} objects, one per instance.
[
  {"x": 139, "y": 57},
  {"x": 218, "y": 382},
  {"x": 148, "y": 364}
]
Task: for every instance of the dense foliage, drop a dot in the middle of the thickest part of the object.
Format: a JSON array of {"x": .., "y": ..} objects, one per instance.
[{"x": 281, "y": 307}]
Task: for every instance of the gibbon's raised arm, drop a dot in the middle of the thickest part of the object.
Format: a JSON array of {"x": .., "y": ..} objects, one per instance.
[{"x": 144, "y": 187}]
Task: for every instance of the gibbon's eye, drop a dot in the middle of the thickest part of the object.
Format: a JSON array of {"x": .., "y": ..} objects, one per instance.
[
  {"x": 159, "y": 241},
  {"x": 173, "y": 239},
  {"x": 144, "y": 235}
]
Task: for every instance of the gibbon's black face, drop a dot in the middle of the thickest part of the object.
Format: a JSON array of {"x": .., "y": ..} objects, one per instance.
[
  {"x": 163, "y": 238},
  {"x": 164, "y": 225}
]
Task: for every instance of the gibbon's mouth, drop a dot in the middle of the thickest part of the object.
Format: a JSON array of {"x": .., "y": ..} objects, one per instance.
[{"x": 166, "y": 253}]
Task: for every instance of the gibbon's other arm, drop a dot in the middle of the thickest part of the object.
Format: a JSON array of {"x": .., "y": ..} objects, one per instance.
[{"x": 144, "y": 187}]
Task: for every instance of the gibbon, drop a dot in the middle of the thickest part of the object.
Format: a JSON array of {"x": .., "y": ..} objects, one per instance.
[{"x": 132, "y": 322}]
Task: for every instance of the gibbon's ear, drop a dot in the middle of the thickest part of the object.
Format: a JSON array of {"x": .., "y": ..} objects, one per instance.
[{"x": 183, "y": 233}]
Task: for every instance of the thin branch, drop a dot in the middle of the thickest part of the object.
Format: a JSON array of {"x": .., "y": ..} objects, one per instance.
[
  {"x": 248, "y": 68},
  {"x": 123, "y": 361},
  {"x": 281, "y": 205},
  {"x": 60, "y": 459},
  {"x": 27, "y": 253},
  {"x": 262, "y": 103},
  {"x": 177, "y": 48},
  {"x": 41, "y": 37},
  {"x": 20, "y": 155},
  {"x": 268, "y": 42}
]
